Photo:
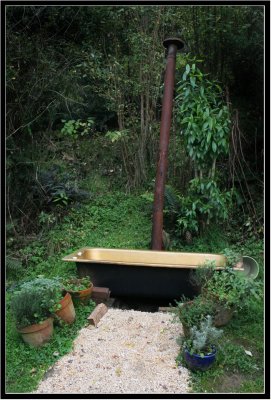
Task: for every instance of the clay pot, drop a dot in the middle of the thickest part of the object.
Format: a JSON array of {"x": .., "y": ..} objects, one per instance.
[
  {"x": 82, "y": 296},
  {"x": 67, "y": 311},
  {"x": 38, "y": 334}
]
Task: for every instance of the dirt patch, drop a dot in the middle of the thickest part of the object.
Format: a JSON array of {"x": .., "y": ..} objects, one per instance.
[{"x": 230, "y": 383}]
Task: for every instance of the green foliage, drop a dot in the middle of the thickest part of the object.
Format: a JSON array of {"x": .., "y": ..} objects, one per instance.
[
  {"x": 115, "y": 136},
  {"x": 203, "y": 204},
  {"x": 203, "y": 338},
  {"x": 232, "y": 257},
  {"x": 236, "y": 359},
  {"x": 204, "y": 118},
  {"x": 74, "y": 128},
  {"x": 172, "y": 200},
  {"x": 114, "y": 220},
  {"x": 35, "y": 300},
  {"x": 59, "y": 187},
  {"x": 27, "y": 309},
  {"x": 192, "y": 313},
  {"x": 201, "y": 275},
  {"x": 13, "y": 266},
  {"x": 74, "y": 284},
  {"x": 234, "y": 370},
  {"x": 231, "y": 289},
  {"x": 26, "y": 366},
  {"x": 46, "y": 219}
]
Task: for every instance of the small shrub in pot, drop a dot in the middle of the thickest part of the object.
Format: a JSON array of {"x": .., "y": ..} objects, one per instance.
[
  {"x": 231, "y": 291},
  {"x": 36, "y": 300},
  {"x": 201, "y": 347},
  {"x": 79, "y": 288},
  {"x": 192, "y": 312},
  {"x": 32, "y": 306}
]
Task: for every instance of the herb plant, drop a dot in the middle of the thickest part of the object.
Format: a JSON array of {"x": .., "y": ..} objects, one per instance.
[
  {"x": 203, "y": 339},
  {"x": 230, "y": 289},
  {"x": 36, "y": 300},
  {"x": 201, "y": 275},
  {"x": 75, "y": 284},
  {"x": 191, "y": 313}
]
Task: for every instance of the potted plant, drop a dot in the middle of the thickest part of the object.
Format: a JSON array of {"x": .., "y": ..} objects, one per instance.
[
  {"x": 79, "y": 288},
  {"x": 32, "y": 308},
  {"x": 34, "y": 305},
  {"x": 200, "y": 276},
  {"x": 60, "y": 303},
  {"x": 192, "y": 312},
  {"x": 200, "y": 349},
  {"x": 64, "y": 309},
  {"x": 230, "y": 292}
]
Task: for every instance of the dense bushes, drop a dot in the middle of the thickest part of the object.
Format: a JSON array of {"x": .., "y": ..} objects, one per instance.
[{"x": 100, "y": 69}]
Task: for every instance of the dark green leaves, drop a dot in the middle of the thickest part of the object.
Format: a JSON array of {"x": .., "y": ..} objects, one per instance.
[
  {"x": 193, "y": 81},
  {"x": 214, "y": 147},
  {"x": 203, "y": 116}
]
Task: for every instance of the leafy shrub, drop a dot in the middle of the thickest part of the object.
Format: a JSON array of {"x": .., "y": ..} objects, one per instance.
[
  {"x": 27, "y": 308},
  {"x": 203, "y": 338},
  {"x": 36, "y": 300},
  {"x": 204, "y": 118},
  {"x": 13, "y": 266},
  {"x": 232, "y": 257},
  {"x": 74, "y": 284},
  {"x": 74, "y": 128},
  {"x": 201, "y": 275},
  {"x": 59, "y": 187},
  {"x": 191, "y": 313},
  {"x": 231, "y": 289}
]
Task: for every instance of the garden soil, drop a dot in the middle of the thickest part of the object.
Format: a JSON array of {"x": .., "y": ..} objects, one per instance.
[{"x": 128, "y": 352}]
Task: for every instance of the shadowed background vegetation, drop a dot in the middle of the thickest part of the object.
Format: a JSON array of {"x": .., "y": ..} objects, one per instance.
[{"x": 84, "y": 87}]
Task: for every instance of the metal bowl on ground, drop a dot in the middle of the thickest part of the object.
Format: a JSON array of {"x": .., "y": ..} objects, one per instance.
[{"x": 250, "y": 267}]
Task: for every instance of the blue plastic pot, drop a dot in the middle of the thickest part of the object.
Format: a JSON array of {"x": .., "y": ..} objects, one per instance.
[{"x": 196, "y": 362}]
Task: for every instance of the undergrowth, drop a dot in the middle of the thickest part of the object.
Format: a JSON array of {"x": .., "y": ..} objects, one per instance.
[
  {"x": 118, "y": 220},
  {"x": 111, "y": 220},
  {"x": 235, "y": 371},
  {"x": 26, "y": 366}
]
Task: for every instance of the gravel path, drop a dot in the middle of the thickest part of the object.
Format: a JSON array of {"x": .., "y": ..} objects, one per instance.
[{"x": 129, "y": 352}]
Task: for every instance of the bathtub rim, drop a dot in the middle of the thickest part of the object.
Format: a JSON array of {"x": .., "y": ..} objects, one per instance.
[{"x": 74, "y": 257}]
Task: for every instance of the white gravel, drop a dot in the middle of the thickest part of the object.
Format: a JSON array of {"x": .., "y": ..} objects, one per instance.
[{"x": 129, "y": 352}]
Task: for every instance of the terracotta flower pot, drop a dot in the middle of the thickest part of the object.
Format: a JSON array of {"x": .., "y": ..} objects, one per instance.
[
  {"x": 67, "y": 311},
  {"x": 38, "y": 334},
  {"x": 82, "y": 296}
]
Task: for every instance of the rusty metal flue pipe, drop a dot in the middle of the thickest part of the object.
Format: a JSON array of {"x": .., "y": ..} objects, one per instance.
[{"x": 172, "y": 45}]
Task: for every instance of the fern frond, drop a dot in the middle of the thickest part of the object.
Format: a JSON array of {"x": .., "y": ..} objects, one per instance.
[{"x": 172, "y": 202}]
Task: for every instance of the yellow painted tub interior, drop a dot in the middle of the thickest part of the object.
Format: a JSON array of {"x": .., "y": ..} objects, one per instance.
[{"x": 147, "y": 258}]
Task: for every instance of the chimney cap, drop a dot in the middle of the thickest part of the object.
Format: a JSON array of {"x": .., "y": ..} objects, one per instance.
[{"x": 173, "y": 40}]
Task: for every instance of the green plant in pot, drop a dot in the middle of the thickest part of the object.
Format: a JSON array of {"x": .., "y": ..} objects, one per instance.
[
  {"x": 79, "y": 288},
  {"x": 200, "y": 348},
  {"x": 200, "y": 276},
  {"x": 230, "y": 292},
  {"x": 192, "y": 312},
  {"x": 32, "y": 306}
]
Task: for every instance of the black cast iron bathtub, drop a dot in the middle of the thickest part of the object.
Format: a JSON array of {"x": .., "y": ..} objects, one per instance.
[{"x": 141, "y": 273}]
